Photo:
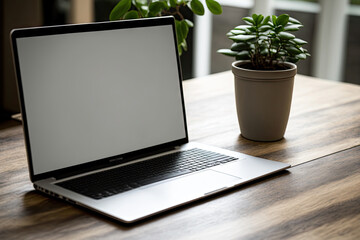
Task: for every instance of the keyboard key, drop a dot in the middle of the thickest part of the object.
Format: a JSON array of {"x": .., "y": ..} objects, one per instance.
[{"x": 163, "y": 177}]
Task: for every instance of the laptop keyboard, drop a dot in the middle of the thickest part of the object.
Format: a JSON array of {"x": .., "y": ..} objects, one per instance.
[{"x": 117, "y": 180}]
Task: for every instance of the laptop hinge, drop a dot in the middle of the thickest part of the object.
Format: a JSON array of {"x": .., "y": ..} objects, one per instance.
[{"x": 109, "y": 163}]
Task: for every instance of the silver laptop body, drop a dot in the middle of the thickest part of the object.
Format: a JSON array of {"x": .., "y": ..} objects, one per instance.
[{"x": 105, "y": 95}]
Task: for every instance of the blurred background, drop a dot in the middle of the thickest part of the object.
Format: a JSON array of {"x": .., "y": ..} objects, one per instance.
[{"x": 331, "y": 28}]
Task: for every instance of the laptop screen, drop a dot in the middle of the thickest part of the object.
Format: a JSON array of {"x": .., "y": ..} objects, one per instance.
[{"x": 90, "y": 95}]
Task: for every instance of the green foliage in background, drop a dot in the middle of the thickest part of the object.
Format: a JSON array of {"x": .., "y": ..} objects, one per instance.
[
  {"x": 266, "y": 41},
  {"x": 131, "y": 9}
]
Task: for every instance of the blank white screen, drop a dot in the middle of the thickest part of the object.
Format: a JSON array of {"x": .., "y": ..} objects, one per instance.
[{"x": 94, "y": 95}]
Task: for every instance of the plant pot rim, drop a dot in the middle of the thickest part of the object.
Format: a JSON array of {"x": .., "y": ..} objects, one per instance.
[{"x": 263, "y": 75}]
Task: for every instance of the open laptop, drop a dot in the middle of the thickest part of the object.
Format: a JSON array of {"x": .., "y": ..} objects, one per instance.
[{"x": 104, "y": 120}]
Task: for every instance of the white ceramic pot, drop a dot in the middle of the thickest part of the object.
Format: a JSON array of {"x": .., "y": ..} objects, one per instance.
[{"x": 263, "y": 100}]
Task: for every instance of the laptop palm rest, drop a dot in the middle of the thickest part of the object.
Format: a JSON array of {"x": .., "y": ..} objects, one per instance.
[
  {"x": 158, "y": 197},
  {"x": 250, "y": 167}
]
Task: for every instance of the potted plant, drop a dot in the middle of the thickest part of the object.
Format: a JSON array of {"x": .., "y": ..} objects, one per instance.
[
  {"x": 264, "y": 73},
  {"x": 131, "y": 9}
]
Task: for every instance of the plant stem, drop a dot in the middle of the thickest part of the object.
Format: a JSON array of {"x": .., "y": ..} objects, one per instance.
[{"x": 174, "y": 13}]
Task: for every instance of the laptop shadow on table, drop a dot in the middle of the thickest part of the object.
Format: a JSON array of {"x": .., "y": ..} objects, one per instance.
[
  {"x": 38, "y": 203},
  {"x": 45, "y": 209}
]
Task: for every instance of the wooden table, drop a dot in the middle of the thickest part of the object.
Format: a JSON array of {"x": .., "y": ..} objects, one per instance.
[{"x": 319, "y": 197}]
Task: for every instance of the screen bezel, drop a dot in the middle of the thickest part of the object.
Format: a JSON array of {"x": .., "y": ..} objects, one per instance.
[{"x": 92, "y": 27}]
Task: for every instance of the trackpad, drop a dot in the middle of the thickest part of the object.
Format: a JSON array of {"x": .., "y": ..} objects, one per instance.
[
  {"x": 158, "y": 197},
  {"x": 196, "y": 184}
]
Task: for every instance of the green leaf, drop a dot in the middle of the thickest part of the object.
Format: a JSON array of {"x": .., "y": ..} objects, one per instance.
[
  {"x": 259, "y": 20},
  {"x": 292, "y": 59},
  {"x": 286, "y": 36},
  {"x": 293, "y": 27},
  {"x": 273, "y": 18},
  {"x": 141, "y": 6},
  {"x": 179, "y": 49},
  {"x": 141, "y": 2},
  {"x": 189, "y": 23},
  {"x": 156, "y": 7},
  {"x": 251, "y": 29},
  {"x": 301, "y": 56},
  {"x": 179, "y": 35},
  {"x": 275, "y": 39},
  {"x": 237, "y": 32},
  {"x": 242, "y": 27},
  {"x": 293, "y": 50},
  {"x": 264, "y": 51},
  {"x": 172, "y": 3},
  {"x": 119, "y": 10},
  {"x": 229, "y": 34},
  {"x": 227, "y": 52},
  {"x": 242, "y": 38},
  {"x": 239, "y": 46},
  {"x": 133, "y": 14},
  {"x": 214, "y": 7},
  {"x": 266, "y": 20},
  {"x": 273, "y": 50},
  {"x": 279, "y": 28},
  {"x": 184, "y": 45},
  {"x": 243, "y": 55},
  {"x": 293, "y": 20},
  {"x": 282, "y": 20},
  {"x": 299, "y": 41},
  {"x": 249, "y": 20},
  {"x": 197, "y": 7},
  {"x": 264, "y": 28},
  {"x": 184, "y": 30},
  {"x": 282, "y": 53},
  {"x": 263, "y": 36},
  {"x": 254, "y": 18},
  {"x": 145, "y": 11}
]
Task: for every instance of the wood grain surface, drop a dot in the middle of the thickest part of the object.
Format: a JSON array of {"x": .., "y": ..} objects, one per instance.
[
  {"x": 319, "y": 198},
  {"x": 316, "y": 200}
]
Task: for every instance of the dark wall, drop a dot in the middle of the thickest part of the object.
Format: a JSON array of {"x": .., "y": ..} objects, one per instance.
[
  {"x": 2, "y": 110},
  {"x": 14, "y": 14},
  {"x": 352, "y": 58}
]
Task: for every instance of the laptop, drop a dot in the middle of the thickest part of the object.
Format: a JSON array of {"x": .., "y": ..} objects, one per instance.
[{"x": 104, "y": 120}]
